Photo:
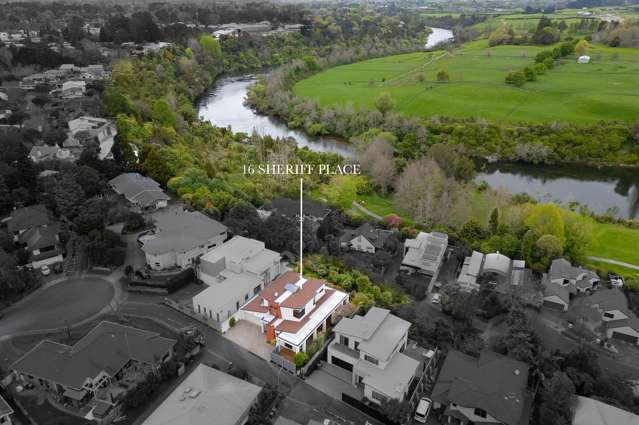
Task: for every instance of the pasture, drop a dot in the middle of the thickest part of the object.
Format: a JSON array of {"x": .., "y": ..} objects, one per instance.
[{"x": 604, "y": 89}]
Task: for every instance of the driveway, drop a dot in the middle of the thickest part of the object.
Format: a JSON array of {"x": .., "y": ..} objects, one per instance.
[
  {"x": 68, "y": 301},
  {"x": 248, "y": 335}
]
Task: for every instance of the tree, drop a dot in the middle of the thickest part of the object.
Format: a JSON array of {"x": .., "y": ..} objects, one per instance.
[
  {"x": 396, "y": 411},
  {"x": 442, "y": 76},
  {"x": 516, "y": 78},
  {"x": 377, "y": 161},
  {"x": 493, "y": 221},
  {"x": 163, "y": 113},
  {"x": 557, "y": 396},
  {"x": 384, "y": 103},
  {"x": 331, "y": 225},
  {"x": 211, "y": 46},
  {"x": 548, "y": 247},
  {"x": 581, "y": 47},
  {"x": 300, "y": 359},
  {"x": 68, "y": 195},
  {"x": 243, "y": 220},
  {"x": 453, "y": 161},
  {"x": 530, "y": 74}
]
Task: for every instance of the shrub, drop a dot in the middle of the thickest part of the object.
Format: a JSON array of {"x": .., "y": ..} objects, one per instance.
[
  {"x": 530, "y": 74},
  {"x": 516, "y": 78},
  {"x": 443, "y": 77},
  {"x": 300, "y": 359},
  {"x": 232, "y": 322}
]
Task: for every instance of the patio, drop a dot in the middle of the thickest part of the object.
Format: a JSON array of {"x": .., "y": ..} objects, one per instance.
[{"x": 248, "y": 336}]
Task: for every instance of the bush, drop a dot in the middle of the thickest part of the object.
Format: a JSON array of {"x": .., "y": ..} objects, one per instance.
[
  {"x": 232, "y": 322},
  {"x": 300, "y": 359},
  {"x": 516, "y": 78},
  {"x": 443, "y": 77}
]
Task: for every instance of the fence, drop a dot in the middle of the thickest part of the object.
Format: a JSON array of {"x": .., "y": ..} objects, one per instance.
[
  {"x": 189, "y": 312},
  {"x": 283, "y": 362},
  {"x": 369, "y": 410}
]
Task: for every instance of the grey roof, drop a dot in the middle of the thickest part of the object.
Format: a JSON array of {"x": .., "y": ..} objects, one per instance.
[
  {"x": 251, "y": 253},
  {"x": 426, "y": 251},
  {"x": 107, "y": 347},
  {"x": 613, "y": 299},
  {"x": 28, "y": 217},
  {"x": 5, "y": 409},
  {"x": 496, "y": 263},
  {"x": 377, "y": 237},
  {"x": 138, "y": 189},
  {"x": 492, "y": 382},
  {"x": 181, "y": 231},
  {"x": 561, "y": 268},
  {"x": 550, "y": 289},
  {"x": 206, "y": 397},
  {"x": 291, "y": 207},
  {"x": 379, "y": 330},
  {"x": 391, "y": 380},
  {"x": 41, "y": 236},
  {"x": 589, "y": 411}
]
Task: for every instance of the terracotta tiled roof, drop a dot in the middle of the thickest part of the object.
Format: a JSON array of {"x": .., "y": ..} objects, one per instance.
[{"x": 292, "y": 326}]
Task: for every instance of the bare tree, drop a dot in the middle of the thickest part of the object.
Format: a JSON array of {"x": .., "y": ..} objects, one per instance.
[{"x": 377, "y": 160}]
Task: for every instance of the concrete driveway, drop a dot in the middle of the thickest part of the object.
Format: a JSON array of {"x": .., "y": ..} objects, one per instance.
[
  {"x": 70, "y": 300},
  {"x": 248, "y": 335}
]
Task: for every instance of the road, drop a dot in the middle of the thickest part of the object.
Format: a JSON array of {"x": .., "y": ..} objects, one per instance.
[{"x": 63, "y": 301}]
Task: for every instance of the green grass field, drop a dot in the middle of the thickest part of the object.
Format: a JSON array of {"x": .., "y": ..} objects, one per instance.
[
  {"x": 616, "y": 242},
  {"x": 605, "y": 89}
]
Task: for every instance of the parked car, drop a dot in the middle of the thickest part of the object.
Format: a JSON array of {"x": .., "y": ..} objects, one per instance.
[
  {"x": 45, "y": 270},
  {"x": 437, "y": 299},
  {"x": 616, "y": 281},
  {"x": 423, "y": 409}
]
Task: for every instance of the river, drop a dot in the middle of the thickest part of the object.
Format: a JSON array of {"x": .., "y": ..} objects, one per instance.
[{"x": 599, "y": 189}]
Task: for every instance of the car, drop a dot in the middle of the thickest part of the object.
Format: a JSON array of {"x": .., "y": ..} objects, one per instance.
[
  {"x": 436, "y": 299},
  {"x": 423, "y": 409},
  {"x": 45, "y": 270}
]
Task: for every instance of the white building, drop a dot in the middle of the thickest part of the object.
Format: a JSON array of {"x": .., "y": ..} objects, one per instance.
[
  {"x": 497, "y": 266},
  {"x": 180, "y": 237},
  {"x": 101, "y": 130},
  {"x": 293, "y": 311},
  {"x": 425, "y": 253},
  {"x": 371, "y": 347},
  {"x": 233, "y": 272}
]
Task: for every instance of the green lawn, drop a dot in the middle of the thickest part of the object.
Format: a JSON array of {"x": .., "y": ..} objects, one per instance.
[
  {"x": 615, "y": 242},
  {"x": 605, "y": 89}
]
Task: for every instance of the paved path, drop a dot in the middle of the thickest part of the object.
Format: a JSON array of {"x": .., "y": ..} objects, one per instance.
[
  {"x": 367, "y": 211},
  {"x": 616, "y": 262}
]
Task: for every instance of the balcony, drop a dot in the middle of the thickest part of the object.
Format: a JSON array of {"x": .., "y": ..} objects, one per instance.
[{"x": 341, "y": 348}]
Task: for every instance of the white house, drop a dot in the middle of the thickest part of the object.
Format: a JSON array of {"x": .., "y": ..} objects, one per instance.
[
  {"x": 500, "y": 268},
  {"x": 180, "y": 237},
  {"x": 371, "y": 348},
  {"x": 101, "y": 130},
  {"x": 366, "y": 238},
  {"x": 233, "y": 273},
  {"x": 293, "y": 311},
  {"x": 73, "y": 89}
]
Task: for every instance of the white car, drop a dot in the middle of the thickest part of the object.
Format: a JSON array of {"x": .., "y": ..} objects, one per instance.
[
  {"x": 423, "y": 409},
  {"x": 436, "y": 299},
  {"x": 45, "y": 270}
]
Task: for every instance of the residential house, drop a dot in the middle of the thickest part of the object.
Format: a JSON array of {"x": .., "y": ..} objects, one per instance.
[
  {"x": 290, "y": 208},
  {"x": 497, "y": 269},
  {"x": 366, "y": 238},
  {"x": 206, "y": 396},
  {"x": 233, "y": 273},
  {"x": 180, "y": 237},
  {"x": 95, "y": 129},
  {"x": 372, "y": 347},
  {"x": 607, "y": 310},
  {"x": 22, "y": 219},
  {"x": 588, "y": 411},
  {"x": 5, "y": 412},
  {"x": 72, "y": 89},
  {"x": 563, "y": 281},
  {"x": 50, "y": 153},
  {"x": 43, "y": 245},
  {"x": 142, "y": 192},
  {"x": 31, "y": 81},
  {"x": 293, "y": 311},
  {"x": 425, "y": 254},
  {"x": 104, "y": 356},
  {"x": 491, "y": 389}
]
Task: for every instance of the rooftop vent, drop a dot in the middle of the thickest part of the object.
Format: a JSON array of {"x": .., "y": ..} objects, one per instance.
[{"x": 291, "y": 287}]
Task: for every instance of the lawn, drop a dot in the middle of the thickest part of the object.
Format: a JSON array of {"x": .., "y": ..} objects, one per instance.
[
  {"x": 605, "y": 89},
  {"x": 615, "y": 242}
]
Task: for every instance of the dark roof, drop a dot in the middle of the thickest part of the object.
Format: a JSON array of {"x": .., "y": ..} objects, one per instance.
[
  {"x": 5, "y": 409},
  {"x": 138, "y": 188},
  {"x": 613, "y": 299},
  {"x": 108, "y": 347},
  {"x": 492, "y": 382},
  {"x": 28, "y": 217},
  {"x": 550, "y": 288},
  {"x": 41, "y": 236},
  {"x": 377, "y": 237},
  {"x": 291, "y": 207}
]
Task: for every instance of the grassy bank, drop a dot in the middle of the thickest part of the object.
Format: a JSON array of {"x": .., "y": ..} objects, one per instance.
[{"x": 571, "y": 92}]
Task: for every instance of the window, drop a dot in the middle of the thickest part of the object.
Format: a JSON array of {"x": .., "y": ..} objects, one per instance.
[
  {"x": 480, "y": 412},
  {"x": 343, "y": 340},
  {"x": 246, "y": 297},
  {"x": 237, "y": 305},
  {"x": 299, "y": 312},
  {"x": 608, "y": 315},
  {"x": 356, "y": 344},
  {"x": 379, "y": 396},
  {"x": 287, "y": 345},
  {"x": 370, "y": 359},
  {"x": 199, "y": 310}
]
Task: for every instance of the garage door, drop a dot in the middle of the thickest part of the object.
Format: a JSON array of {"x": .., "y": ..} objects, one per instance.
[
  {"x": 624, "y": 337},
  {"x": 341, "y": 363},
  {"x": 553, "y": 305}
]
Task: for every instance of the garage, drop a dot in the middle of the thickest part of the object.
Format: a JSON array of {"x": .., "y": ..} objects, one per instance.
[
  {"x": 341, "y": 363},
  {"x": 625, "y": 337}
]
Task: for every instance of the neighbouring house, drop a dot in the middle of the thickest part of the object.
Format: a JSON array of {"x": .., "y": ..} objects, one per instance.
[
  {"x": 142, "y": 192},
  {"x": 206, "y": 396},
  {"x": 293, "y": 311},
  {"x": 290, "y": 208},
  {"x": 22, "y": 219},
  {"x": 31, "y": 81},
  {"x": 50, "y": 153},
  {"x": 94, "y": 365},
  {"x": 180, "y": 237},
  {"x": 583, "y": 59},
  {"x": 497, "y": 269},
  {"x": 95, "y": 129},
  {"x": 43, "y": 245},
  {"x": 233, "y": 273},
  {"x": 366, "y": 238},
  {"x": 491, "y": 389},
  {"x": 372, "y": 347},
  {"x": 608, "y": 310},
  {"x": 589, "y": 411},
  {"x": 578, "y": 279},
  {"x": 555, "y": 296},
  {"x": 5, "y": 412},
  {"x": 425, "y": 254},
  {"x": 73, "y": 89}
]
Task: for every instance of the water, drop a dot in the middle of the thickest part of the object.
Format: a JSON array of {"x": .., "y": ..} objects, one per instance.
[
  {"x": 438, "y": 36},
  {"x": 602, "y": 190}
]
